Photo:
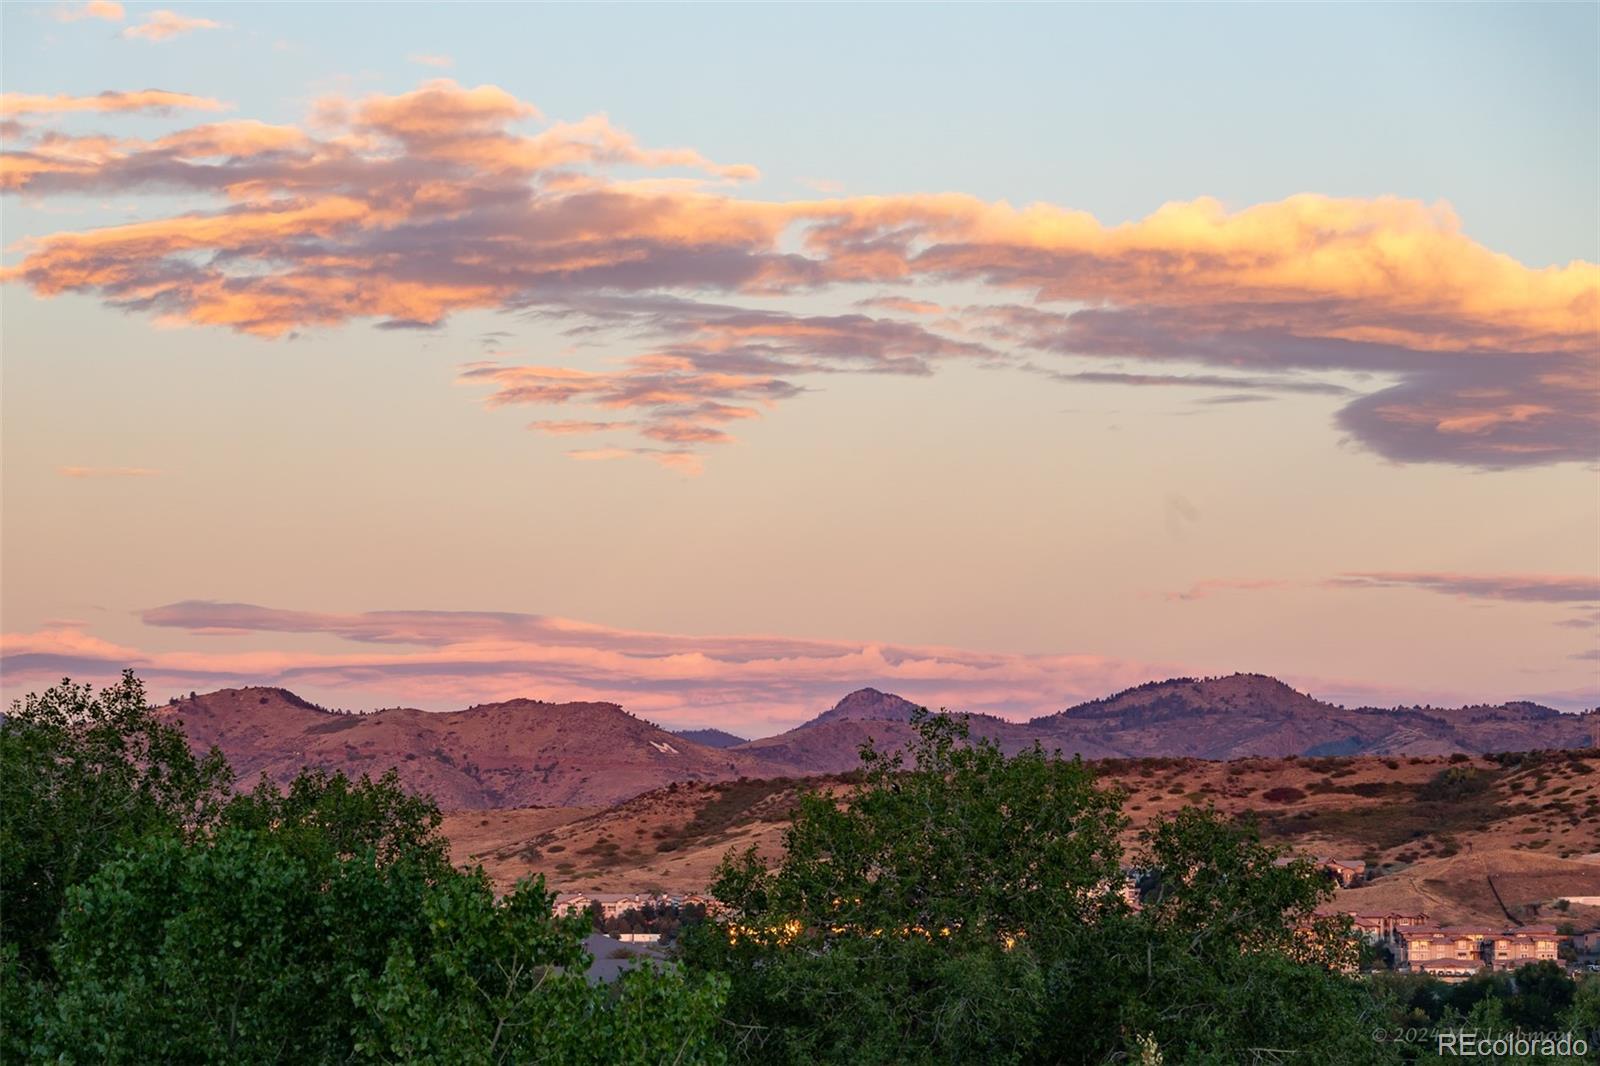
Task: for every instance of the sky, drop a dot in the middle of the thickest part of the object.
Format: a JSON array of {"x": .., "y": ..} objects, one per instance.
[{"x": 719, "y": 360}]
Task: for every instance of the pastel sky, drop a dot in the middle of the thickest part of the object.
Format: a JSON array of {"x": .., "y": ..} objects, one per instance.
[{"x": 720, "y": 360}]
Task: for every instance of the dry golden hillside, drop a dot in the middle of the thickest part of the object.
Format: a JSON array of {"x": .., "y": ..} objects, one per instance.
[{"x": 1459, "y": 838}]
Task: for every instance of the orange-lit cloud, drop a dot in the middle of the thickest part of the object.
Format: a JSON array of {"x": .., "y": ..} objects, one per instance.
[
  {"x": 1382, "y": 271},
  {"x": 163, "y": 25},
  {"x": 902, "y": 304},
  {"x": 408, "y": 208},
  {"x": 155, "y": 100},
  {"x": 679, "y": 459},
  {"x": 681, "y": 403},
  {"x": 568, "y": 428},
  {"x": 106, "y": 10}
]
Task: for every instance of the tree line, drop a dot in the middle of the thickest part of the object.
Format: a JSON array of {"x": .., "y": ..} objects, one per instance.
[{"x": 957, "y": 905}]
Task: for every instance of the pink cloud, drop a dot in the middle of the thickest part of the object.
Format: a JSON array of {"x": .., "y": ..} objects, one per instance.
[
  {"x": 449, "y": 659},
  {"x": 444, "y": 659}
]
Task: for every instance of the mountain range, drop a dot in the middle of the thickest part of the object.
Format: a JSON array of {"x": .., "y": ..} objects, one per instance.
[{"x": 524, "y": 753}]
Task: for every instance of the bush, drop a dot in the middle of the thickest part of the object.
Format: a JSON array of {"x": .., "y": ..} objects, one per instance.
[{"x": 1453, "y": 784}]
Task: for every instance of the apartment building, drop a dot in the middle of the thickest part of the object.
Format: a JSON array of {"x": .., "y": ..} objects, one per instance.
[
  {"x": 1528, "y": 944},
  {"x": 1457, "y": 952}
]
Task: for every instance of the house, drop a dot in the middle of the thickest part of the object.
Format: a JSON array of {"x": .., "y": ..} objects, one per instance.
[
  {"x": 1348, "y": 872},
  {"x": 1385, "y": 928},
  {"x": 712, "y": 906},
  {"x": 570, "y": 903},
  {"x": 1519, "y": 947}
]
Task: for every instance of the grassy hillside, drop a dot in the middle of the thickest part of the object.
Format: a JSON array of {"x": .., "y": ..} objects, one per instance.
[{"x": 1461, "y": 838}]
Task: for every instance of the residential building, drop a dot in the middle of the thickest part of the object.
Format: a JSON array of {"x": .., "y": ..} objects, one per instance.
[
  {"x": 1519, "y": 947},
  {"x": 1436, "y": 950},
  {"x": 1348, "y": 872},
  {"x": 1450, "y": 970},
  {"x": 1385, "y": 928}
]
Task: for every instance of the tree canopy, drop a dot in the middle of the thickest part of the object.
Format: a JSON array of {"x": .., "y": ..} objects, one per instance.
[
  {"x": 962, "y": 905},
  {"x": 951, "y": 904},
  {"x": 153, "y": 916}
]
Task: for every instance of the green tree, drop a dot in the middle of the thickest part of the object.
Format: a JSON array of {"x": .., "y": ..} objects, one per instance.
[
  {"x": 1583, "y": 1017},
  {"x": 908, "y": 922},
  {"x": 84, "y": 775},
  {"x": 331, "y": 816},
  {"x": 502, "y": 983},
  {"x": 321, "y": 923},
  {"x": 1227, "y": 961},
  {"x": 248, "y": 948},
  {"x": 234, "y": 949},
  {"x": 961, "y": 906}
]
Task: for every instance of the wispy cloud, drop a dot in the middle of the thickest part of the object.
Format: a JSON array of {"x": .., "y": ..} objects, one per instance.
[
  {"x": 405, "y": 209},
  {"x": 449, "y": 659},
  {"x": 1281, "y": 384},
  {"x": 903, "y": 304},
  {"x": 444, "y": 659},
  {"x": 105, "y": 10},
  {"x": 163, "y": 25},
  {"x": 441, "y": 62},
  {"x": 150, "y": 100},
  {"x": 1519, "y": 588},
  {"x": 1513, "y": 588},
  {"x": 681, "y": 459},
  {"x": 1203, "y": 589},
  {"x": 571, "y": 427}
]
